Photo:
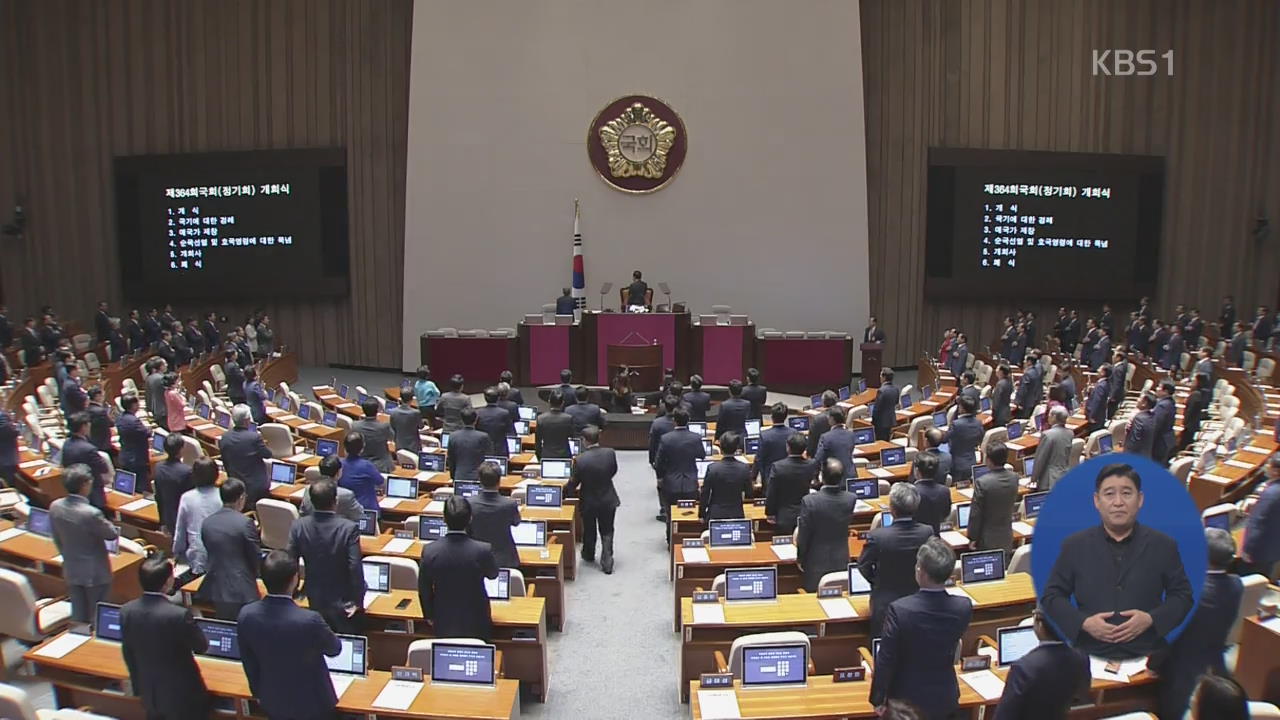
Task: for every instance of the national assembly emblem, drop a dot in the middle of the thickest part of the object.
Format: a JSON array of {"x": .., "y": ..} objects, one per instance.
[{"x": 637, "y": 144}]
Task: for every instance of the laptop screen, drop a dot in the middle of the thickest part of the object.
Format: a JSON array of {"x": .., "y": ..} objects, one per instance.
[
  {"x": 862, "y": 385},
  {"x": 926, "y": 392},
  {"x": 886, "y": 519},
  {"x": 962, "y": 515},
  {"x": 107, "y": 625},
  {"x": 753, "y": 428},
  {"x": 555, "y": 469},
  {"x": 521, "y": 427},
  {"x": 499, "y": 588},
  {"x": 845, "y": 392},
  {"x": 753, "y": 445},
  {"x": 858, "y": 584},
  {"x": 431, "y": 462},
  {"x": 985, "y": 404},
  {"x": 980, "y": 470},
  {"x": 304, "y": 411},
  {"x": 1105, "y": 443},
  {"x": 544, "y": 496},
  {"x": 575, "y": 446},
  {"x": 325, "y": 448},
  {"x": 469, "y": 664},
  {"x": 431, "y": 527},
  {"x": 1032, "y": 503},
  {"x": 863, "y": 489},
  {"x": 731, "y": 533},
  {"x": 402, "y": 487},
  {"x": 125, "y": 482},
  {"x": 894, "y": 456},
  {"x": 1014, "y": 429},
  {"x": 530, "y": 533},
  {"x": 330, "y": 418},
  {"x": 369, "y": 522},
  {"x": 1221, "y": 520},
  {"x": 351, "y": 661},
  {"x": 940, "y": 419},
  {"x": 224, "y": 420},
  {"x": 343, "y": 390},
  {"x": 751, "y": 583},
  {"x": 1014, "y": 642},
  {"x": 1040, "y": 422},
  {"x": 203, "y": 410},
  {"x": 775, "y": 665},
  {"x": 698, "y": 428},
  {"x": 527, "y": 413},
  {"x": 377, "y": 576},
  {"x": 864, "y": 436},
  {"x": 466, "y": 488},
  {"x": 283, "y": 472},
  {"x": 157, "y": 441},
  {"x": 815, "y": 401},
  {"x": 800, "y": 422},
  {"x": 1028, "y": 466},
  {"x": 513, "y": 444},
  {"x": 392, "y": 405},
  {"x": 906, "y": 401},
  {"x": 38, "y": 522},
  {"x": 222, "y": 638},
  {"x": 498, "y": 460},
  {"x": 982, "y": 566},
  {"x": 702, "y": 468}
]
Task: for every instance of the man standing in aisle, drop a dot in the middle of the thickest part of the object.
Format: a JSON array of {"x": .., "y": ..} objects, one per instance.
[{"x": 592, "y": 479}]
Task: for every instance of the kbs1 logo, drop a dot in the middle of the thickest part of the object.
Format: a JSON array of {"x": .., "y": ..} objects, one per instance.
[{"x": 1121, "y": 62}]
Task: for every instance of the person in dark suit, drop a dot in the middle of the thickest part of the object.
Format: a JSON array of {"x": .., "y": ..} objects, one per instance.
[
  {"x": 884, "y": 411},
  {"x": 555, "y": 427},
  {"x": 255, "y": 398},
  {"x": 151, "y": 327},
  {"x": 1261, "y": 328},
  {"x": 449, "y": 405},
  {"x": 74, "y": 398},
  {"x": 755, "y": 393},
  {"x": 233, "y": 545},
  {"x": 1117, "y": 381},
  {"x": 1030, "y": 386},
  {"x": 212, "y": 338},
  {"x": 99, "y": 421},
  {"x": 1001, "y": 396},
  {"x": 29, "y": 340},
  {"x": 195, "y": 338},
  {"x": 406, "y": 423},
  {"x": 1173, "y": 349},
  {"x": 117, "y": 341},
  {"x": 77, "y": 450},
  {"x": 376, "y": 435},
  {"x": 329, "y": 544},
  {"x": 698, "y": 401},
  {"x": 873, "y": 332},
  {"x": 1159, "y": 338},
  {"x": 1193, "y": 329},
  {"x": 1204, "y": 362},
  {"x": 837, "y": 443},
  {"x": 1095, "y": 407},
  {"x": 158, "y": 639},
  {"x": 1008, "y": 338},
  {"x": 919, "y": 638},
  {"x": 888, "y": 558},
  {"x": 660, "y": 426},
  {"x": 1045, "y": 682},
  {"x": 994, "y": 496},
  {"x": 566, "y": 387},
  {"x": 468, "y": 447},
  {"x": 514, "y": 395},
  {"x": 359, "y": 475},
  {"x": 934, "y": 505},
  {"x": 637, "y": 291},
  {"x": 493, "y": 515},
  {"x": 959, "y": 360},
  {"x": 1239, "y": 343},
  {"x": 969, "y": 387},
  {"x": 773, "y": 446},
  {"x": 677, "y": 462},
  {"x": 9, "y": 435},
  {"x": 1227, "y": 314},
  {"x": 1164, "y": 412},
  {"x": 1102, "y": 350},
  {"x": 564, "y": 303},
  {"x": 1140, "y": 437},
  {"x": 789, "y": 483},
  {"x": 235, "y": 378},
  {"x": 173, "y": 478},
  {"x": 592, "y": 480},
  {"x": 583, "y": 412},
  {"x": 283, "y": 646},
  {"x": 1125, "y": 607},
  {"x": 451, "y": 578},
  {"x": 727, "y": 483},
  {"x": 79, "y": 530},
  {"x": 134, "y": 333},
  {"x": 822, "y": 538},
  {"x": 1199, "y": 649},
  {"x": 6, "y": 327},
  {"x": 177, "y": 340},
  {"x": 1262, "y": 529},
  {"x": 1193, "y": 412},
  {"x": 962, "y": 437},
  {"x": 933, "y": 439},
  {"x": 243, "y": 451},
  {"x": 820, "y": 422},
  {"x": 51, "y": 333},
  {"x": 1067, "y": 392},
  {"x": 505, "y": 392},
  {"x": 496, "y": 421},
  {"x": 733, "y": 412}
]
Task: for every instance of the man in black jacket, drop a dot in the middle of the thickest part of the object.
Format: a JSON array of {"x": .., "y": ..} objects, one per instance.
[
  {"x": 1193, "y": 414},
  {"x": 77, "y": 450},
  {"x": 935, "y": 498},
  {"x": 837, "y": 443},
  {"x": 698, "y": 402},
  {"x": 233, "y": 546},
  {"x": 888, "y": 559},
  {"x": 468, "y": 447},
  {"x": 755, "y": 393},
  {"x": 1045, "y": 681},
  {"x": 1001, "y": 395},
  {"x": 1164, "y": 412},
  {"x": 583, "y": 412},
  {"x": 677, "y": 461},
  {"x": 1140, "y": 436},
  {"x": 172, "y": 478},
  {"x": 822, "y": 544},
  {"x": 406, "y": 423},
  {"x": 727, "y": 483},
  {"x": 592, "y": 480},
  {"x": 1125, "y": 607},
  {"x": 820, "y": 423},
  {"x": 330, "y": 546},
  {"x": 789, "y": 484},
  {"x": 733, "y": 412},
  {"x": 493, "y": 515},
  {"x": 1095, "y": 407},
  {"x": 158, "y": 639},
  {"x": 555, "y": 427},
  {"x": 773, "y": 446},
  {"x": 451, "y": 578},
  {"x": 884, "y": 412},
  {"x": 496, "y": 421}
]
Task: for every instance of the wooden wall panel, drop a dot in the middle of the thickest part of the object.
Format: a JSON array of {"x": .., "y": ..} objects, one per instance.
[
  {"x": 86, "y": 81},
  {"x": 1017, "y": 74}
]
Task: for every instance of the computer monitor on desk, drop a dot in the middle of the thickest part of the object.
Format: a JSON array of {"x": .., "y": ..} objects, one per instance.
[
  {"x": 751, "y": 584},
  {"x": 753, "y": 428},
  {"x": 465, "y": 488},
  {"x": 702, "y": 466},
  {"x": 431, "y": 462},
  {"x": 530, "y": 533},
  {"x": 730, "y": 534},
  {"x": 325, "y": 448},
  {"x": 858, "y": 584},
  {"x": 431, "y": 527},
  {"x": 1014, "y": 642},
  {"x": 125, "y": 482},
  {"x": 544, "y": 496},
  {"x": 107, "y": 626},
  {"x": 527, "y": 413},
  {"x": 377, "y": 576},
  {"x": 38, "y": 522},
  {"x": 773, "y": 666},
  {"x": 462, "y": 665},
  {"x": 352, "y": 659},
  {"x": 698, "y": 428},
  {"x": 863, "y": 489},
  {"x": 499, "y": 588},
  {"x": 221, "y": 634},
  {"x": 555, "y": 469},
  {"x": 1031, "y": 504},
  {"x": 864, "y": 436},
  {"x": 982, "y": 566},
  {"x": 799, "y": 423}
]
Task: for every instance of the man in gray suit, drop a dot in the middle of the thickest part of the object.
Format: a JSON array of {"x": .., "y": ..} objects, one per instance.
[
  {"x": 156, "y": 368},
  {"x": 1204, "y": 363},
  {"x": 347, "y": 507},
  {"x": 493, "y": 515},
  {"x": 405, "y": 423},
  {"x": 1140, "y": 437},
  {"x": 1001, "y": 394},
  {"x": 79, "y": 530},
  {"x": 376, "y": 436},
  {"x": 1053, "y": 453},
  {"x": 233, "y": 545},
  {"x": 449, "y": 406},
  {"x": 822, "y": 540},
  {"x": 467, "y": 448},
  {"x": 994, "y": 495},
  {"x": 243, "y": 452},
  {"x": 968, "y": 387}
]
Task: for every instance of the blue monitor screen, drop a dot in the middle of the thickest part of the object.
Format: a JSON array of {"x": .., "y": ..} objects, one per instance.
[
  {"x": 982, "y": 566},
  {"x": 985, "y": 404},
  {"x": 1028, "y": 466},
  {"x": 431, "y": 528},
  {"x": 864, "y": 489},
  {"x": 940, "y": 419},
  {"x": 774, "y": 665},
  {"x": 221, "y": 635},
  {"x": 862, "y": 385},
  {"x": 157, "y": 442},
  {"x": 845, "y": 392},
  {"x": 107, "y": 626},
  {"x": 815, "y": 400},
  {"x": 906, "y": 401},
  {"x": 894, "y": 456},
  {"x": 1032, "y": 504},
  {"x": 753, "y": 445},
  {"x": 800, "y": 423},
  {"x": 466, "y": 489},
  {"x": 343, "y": 390},
  {"x": 926, "y": 392},
  {"x": 980, "y": 470},
  {"x": 125, "y": 482},
  {"x": 544, "y": 496},
  {"x": 470, "y": 664},
  {"x": 282, "y": 472},
  {"x": 325, "y": 448},
  {"x": 1221, "y": 520},
  {"x": 731, "y": 533},
  {"x": 864, "y": 436},
  {"x": 430, "y": 462},
  {"x": 304, "y": 412},
  {"x": 1015, "y": 430},
  {"x": 38, "y": 522},
  {"x": 330, "y": 419},
  {"x": 751, "y": 584},
  {"x": 1105, "y": 443}
]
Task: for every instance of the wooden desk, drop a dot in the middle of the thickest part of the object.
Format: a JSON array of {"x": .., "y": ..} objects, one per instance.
[
  {"x": 1227, "y": 483},
  {"x": 95, "y": 674},
  {"x": 1257, "y": 669},
  {"x": 38, "y": 559}
]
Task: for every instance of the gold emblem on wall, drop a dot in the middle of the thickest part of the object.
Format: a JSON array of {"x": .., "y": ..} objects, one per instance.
[{"x": 637, "y": 144}]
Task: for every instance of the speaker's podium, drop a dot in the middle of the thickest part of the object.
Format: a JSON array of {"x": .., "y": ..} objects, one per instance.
[
  {"x": 872, "y": 361},
  {"x": 644, "y": 361},
  {"x": 638, "y": 340}
]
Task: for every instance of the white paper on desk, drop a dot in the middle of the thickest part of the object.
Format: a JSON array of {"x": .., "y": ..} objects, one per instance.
[
  {"x": 708, "y": 613},
  {"x": 1216, "y": 478},
  {"x": 837, "y": 607},
  {"x": 347, "y": 405},
  {"x": 1128, "y": 668},
  {"x": 967, "y": 492},
  {"x": 1257, "y": 450},
  {"x": 435, "y": 506},
  {"x": 299, "y": 492},
  {"x": 695, "y": 555},
  {"x": 862, "y": 506},
  {"x": 300, "y": 457},
  {"x": 30, "y": 464},
  {"x": 953, "y": 538},
  {"x": 137, "y": 505},
  {"x": 1239, "y": 464},
  {"x": 10, "y": 533},
  {"x": 63, "y": 645},
  {"x": 308, "y": 426},
  {"x": 785, "y": 552},
  {"x": 930, "y": 403},
  {"x": 959, "y": 592},
  {"x": 56, "y": 559},
  {"x": 397, "y": 546},
  {"x": 985, "y": 682},
  {"x": 718, "y": 704},
  {"x": 341, "y": 683},
  {"x": 881, "y": 472},
  {"x": 1272, "y": 623},
  {"x": 1024, "y": 528},
  {"x": 389, "y": 503},
  {"x": 397, "y": 695},
  {"x": 369, "y": 597},
  {"x": 287, "y": 416},
  {"x": 426, "y": 475}
]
